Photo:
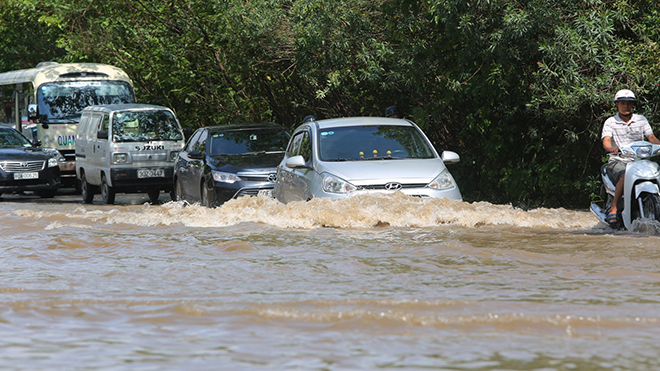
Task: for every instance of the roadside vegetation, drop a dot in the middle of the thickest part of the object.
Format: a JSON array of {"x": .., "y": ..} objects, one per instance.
[{"x": 519, "y": 89}]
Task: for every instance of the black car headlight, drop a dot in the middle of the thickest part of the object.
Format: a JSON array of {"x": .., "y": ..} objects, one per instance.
[{"x": 223, "y": 177}]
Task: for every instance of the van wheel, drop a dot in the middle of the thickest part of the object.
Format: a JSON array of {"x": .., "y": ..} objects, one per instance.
[
  {"x": 107, "y": 193},
  {"x": 153, "y": 196},
  {"x": 86, "y": 190}
]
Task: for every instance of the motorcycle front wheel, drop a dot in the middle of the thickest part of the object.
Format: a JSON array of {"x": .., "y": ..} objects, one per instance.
[{"x": 649, "y": 207}]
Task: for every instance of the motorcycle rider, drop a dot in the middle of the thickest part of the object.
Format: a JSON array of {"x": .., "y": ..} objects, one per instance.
[{"x": 622, "y": 129}]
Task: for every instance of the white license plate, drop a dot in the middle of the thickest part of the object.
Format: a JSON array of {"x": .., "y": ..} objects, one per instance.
[
  {"x": 19, "y": 176},
  {"x": 151, "y": 173}
]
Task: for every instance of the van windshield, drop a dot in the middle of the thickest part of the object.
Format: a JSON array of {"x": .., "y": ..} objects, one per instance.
[{"x": 140, "y": 126}]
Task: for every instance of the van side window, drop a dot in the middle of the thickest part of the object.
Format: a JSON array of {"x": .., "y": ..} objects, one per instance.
[
  {"x": 105, "y": 123},
  {"x": 95, "y": 125}
]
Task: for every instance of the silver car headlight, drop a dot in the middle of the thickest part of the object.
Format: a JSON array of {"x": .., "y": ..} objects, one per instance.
[
  {"x": 219, "y": 176},
  {"x": 442, "y": 181},
  {"x": 333, "y": 184}
]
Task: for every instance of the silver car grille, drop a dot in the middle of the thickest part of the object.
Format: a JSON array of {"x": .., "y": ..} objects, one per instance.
[
  {"x": 21, "y": 166},
  {"x": 391, "y": 186}
]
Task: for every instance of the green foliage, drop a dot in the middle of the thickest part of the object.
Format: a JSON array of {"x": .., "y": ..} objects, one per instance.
[
  {"x": 519, "y": 89},
  {"x": 24, "y": 39}
]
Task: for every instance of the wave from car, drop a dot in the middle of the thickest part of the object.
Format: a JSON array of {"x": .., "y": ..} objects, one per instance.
[
  {"x": 219, "y": 163},
  {"x": 336, "y": 158}
]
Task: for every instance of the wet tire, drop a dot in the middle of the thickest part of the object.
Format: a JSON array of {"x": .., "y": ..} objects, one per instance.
[
  {"x": 177, "y": 194},
  {"x": 107, "y": 192},
  {"x": 650, "y": 207},
  {"x": 153, "y": 194},
  {"x": 46, "y": 193},
  {"x": 86, "y": 190},
  {"x": 206, "y": 196}
]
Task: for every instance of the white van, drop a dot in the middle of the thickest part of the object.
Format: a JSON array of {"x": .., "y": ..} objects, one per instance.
[{"x": 126, "y": 148}]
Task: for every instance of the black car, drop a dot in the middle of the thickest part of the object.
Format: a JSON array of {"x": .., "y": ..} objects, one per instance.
[
  {"x": 27, "y": 167},
  {"x": 219, "y": 163}
]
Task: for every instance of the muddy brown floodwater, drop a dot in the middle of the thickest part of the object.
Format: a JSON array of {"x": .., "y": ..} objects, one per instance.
[{"x": 380, "y": 282}]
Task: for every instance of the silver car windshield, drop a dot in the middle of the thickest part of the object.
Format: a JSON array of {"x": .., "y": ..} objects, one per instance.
[
  {"x": 374, "y": 142},
  {"x": 140, "y": 126},
  {"x": 242, "y": 142}
]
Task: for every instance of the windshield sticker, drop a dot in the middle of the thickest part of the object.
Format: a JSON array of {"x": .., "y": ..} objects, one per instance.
[{"x": 327, "y": 132}]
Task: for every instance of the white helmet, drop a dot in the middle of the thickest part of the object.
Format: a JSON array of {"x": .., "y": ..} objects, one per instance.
[{"x": 624, "y": 94}]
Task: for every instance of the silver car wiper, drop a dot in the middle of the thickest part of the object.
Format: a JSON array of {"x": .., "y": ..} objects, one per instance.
[{"x": 379, "y": 158}]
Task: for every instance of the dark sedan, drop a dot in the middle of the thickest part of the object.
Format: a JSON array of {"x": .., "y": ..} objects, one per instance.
[
  {"x": 27, "y": 167},
  {"x": 219, "y": 163}
]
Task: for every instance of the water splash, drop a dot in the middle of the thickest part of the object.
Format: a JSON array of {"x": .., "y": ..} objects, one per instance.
[{"x": 363, "y": 211}]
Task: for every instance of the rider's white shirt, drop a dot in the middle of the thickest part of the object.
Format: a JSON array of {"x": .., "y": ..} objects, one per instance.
[{"x": 623, "y": 134}]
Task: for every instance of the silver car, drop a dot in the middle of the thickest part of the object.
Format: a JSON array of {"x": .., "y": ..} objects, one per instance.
[{"x": 337, "y": 158}]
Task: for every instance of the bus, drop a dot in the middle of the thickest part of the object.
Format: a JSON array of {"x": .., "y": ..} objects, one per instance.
[{"x": 45, "y": 103}]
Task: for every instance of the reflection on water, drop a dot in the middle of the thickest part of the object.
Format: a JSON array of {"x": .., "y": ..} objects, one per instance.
[{"x": 366, "y": 283}]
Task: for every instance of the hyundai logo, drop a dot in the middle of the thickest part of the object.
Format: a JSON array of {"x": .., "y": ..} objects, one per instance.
[
  {"x": 393, "y": 186},
  {"x": 272, "y": 177}
]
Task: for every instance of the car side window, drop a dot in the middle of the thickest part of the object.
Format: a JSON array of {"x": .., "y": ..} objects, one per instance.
[
  {"x": 192, "y": 141},
  {"x": 306, "y": 146},
  {"x": 200, "y": 145},
  {"x": 294, "y": 148}
]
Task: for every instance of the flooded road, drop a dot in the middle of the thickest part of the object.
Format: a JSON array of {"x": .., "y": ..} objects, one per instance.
[{"x": 361, "y": 284}]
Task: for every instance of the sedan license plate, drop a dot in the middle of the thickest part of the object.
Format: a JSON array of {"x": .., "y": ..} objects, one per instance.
[
  {"x": 151, "y": 173},
  {"x": 20, "y": 176}
]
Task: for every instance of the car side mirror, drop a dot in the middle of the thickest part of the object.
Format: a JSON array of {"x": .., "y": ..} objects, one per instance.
[
  {"x": 449, "y": 157},
  {"x": 36, "y": 143},
  {"x": 296, "y": 162},
  {"x": 102, "y": 134},
  {"x": 196, "y": 154}
]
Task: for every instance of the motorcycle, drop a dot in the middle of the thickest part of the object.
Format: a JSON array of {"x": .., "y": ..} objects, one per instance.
[{"x": 641, "y": 192}]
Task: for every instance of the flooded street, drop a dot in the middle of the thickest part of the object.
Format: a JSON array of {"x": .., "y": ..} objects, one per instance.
[{"x": 380, "y": 282}]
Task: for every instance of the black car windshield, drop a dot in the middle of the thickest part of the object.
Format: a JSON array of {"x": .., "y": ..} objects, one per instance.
[
  {"x": 64, "y": 101},
  {"x": 140, "y": 126},
  {"x": 372, "y": 142},
  {"x": 13, "y": 139},
  {"x": 248, "y": 141}
]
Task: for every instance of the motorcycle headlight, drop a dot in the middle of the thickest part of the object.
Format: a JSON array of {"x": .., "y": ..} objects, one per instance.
[
  {"x": 219, "y": 176},
  {"x": 333, "y": 184},
  {"x": 643, "y": 152},
  {"x": 442, "y": 181}
]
